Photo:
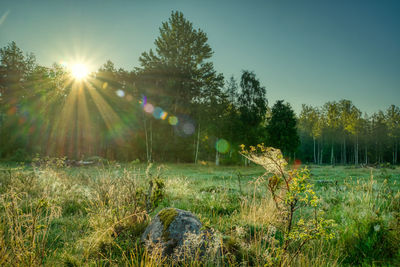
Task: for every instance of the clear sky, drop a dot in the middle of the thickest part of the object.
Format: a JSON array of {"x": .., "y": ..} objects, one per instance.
[{"x": 302, "y": 51}]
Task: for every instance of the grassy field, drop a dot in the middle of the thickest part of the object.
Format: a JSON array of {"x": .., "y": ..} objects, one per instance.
[{"x": 54, "y": 215}]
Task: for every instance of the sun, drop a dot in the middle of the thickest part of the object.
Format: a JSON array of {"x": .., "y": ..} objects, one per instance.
[{"x": 79, "y": 71}]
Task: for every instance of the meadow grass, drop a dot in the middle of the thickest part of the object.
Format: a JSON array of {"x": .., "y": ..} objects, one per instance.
[{"x": 94, "y": 216}]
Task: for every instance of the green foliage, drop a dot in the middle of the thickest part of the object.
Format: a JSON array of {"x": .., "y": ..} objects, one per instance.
[
  {"x": 370, "y": 240},
  {"x": 49, "y": 162},
  {"x": 291, "y": 190},
  {"x": 234, "y": 160},
  {"x": 179, "y": 78},
  {"x": 282, "y": 128},
  {"x": 369, "y": 231},
  {"x": 219, "y": 201},
  {"x": 74, "y": 206},
  {"x": 125, "y": 239},
  {"x": 136, "y": 161},
  {"x": 20, "y": 155},
  {"x": 158, "y": 192},
  {"x": 36, "y": 114},
  {"x": 252, "y": 104},
  {"x": 233, "y": 251},
  {"x": 337, "y": 132}
]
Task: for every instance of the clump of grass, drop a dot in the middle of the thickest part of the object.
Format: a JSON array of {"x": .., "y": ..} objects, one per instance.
[
  {"x": 24, "y": 228},
  {"x": 110, "y": 242},
  {"x": 118, "y": 215},
  {"x": 371, "y": 229},
  {"x": 179, "y": 188}
]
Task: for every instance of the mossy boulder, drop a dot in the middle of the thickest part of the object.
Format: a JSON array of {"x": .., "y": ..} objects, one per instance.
[{"x": 170, "y": 228}]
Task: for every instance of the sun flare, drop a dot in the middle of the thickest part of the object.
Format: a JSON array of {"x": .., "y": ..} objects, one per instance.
[{"x": 79, "y": 71}]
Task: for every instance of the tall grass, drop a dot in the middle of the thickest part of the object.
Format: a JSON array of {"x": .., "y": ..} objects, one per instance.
[
  {"x": 53, "y": 215},
  {"x": 25, "y": 223}
]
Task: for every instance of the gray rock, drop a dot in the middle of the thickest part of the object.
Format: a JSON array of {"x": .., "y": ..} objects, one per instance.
[{"x": 169, "y": 230}]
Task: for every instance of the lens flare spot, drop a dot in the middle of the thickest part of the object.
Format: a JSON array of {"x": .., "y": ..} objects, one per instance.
[
  {"x": 148, "y": 108},
  {"x": 173, "y": 120},
  {"x": 188, "y": 128},
  {"x": 164, "y": 115},
  {"x": 143, "y": 102},
  {"x": 120, "y": 93},
  {"x": 222, "y": 146},
  {"x": 157, "y": 113}
]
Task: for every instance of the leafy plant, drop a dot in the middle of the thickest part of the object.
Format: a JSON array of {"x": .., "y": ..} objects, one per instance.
[{"x": 290, "y": 191}]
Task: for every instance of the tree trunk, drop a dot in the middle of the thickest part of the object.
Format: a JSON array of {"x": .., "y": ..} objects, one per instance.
[
  {"x": 146, "y": 138},
  {"x": 332, "y": 158},
  {"x": 321, "y": 155},
  {"x": 216, "y": 156},
  {"x": 366, "y": 154},
  {"x": 341, "y": 153},
  {"x": 151, "y": 141},
  {"x": 322, "y": 150},
  {"x": 356, "y": 152},
  {"x": 344, "y": 151},
  {"x": 315, "y": 159},
  {"x": 197, "y": 145},
  {"x": 393, "y": 154}
]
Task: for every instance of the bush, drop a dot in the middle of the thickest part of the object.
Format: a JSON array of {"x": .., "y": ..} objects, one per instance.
[
  {"x": 20, "y": 155},
  {"x": 291, "y": 191}
]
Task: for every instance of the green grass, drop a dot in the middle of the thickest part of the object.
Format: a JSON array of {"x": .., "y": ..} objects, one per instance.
[{"x": 102, "y": 213}]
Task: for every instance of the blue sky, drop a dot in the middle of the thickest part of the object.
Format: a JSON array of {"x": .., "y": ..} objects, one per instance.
[{"x": 302, "y": 51}]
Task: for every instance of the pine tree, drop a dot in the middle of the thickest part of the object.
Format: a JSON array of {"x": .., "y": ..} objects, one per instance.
[
  {"x": 179, "y": 78},
  {"x": 252, "y": 104},
  {"x": 282, "y": 129}
]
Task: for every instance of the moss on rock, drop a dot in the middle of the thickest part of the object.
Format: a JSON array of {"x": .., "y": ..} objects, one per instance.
[{"x": 167, "y": 216}]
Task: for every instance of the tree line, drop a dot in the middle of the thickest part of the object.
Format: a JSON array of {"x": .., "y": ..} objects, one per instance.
[
  {"x": 173, "y": 107},
  {"x": 339, "y": 133}
]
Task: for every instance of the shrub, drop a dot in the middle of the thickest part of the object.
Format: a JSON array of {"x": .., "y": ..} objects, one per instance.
[
  {"x": 290, "y": 191},
  {"x": 20, "y": 155}
]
